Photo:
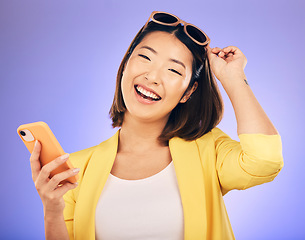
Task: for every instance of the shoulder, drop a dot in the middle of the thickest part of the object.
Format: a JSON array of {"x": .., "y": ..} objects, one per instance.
[
  {"x": 83, "y": 153},
  {"x": 211, "y": 136},
  {"x": 207, "y": 140},
  {"x": 81, "y": 158},
  {"x": 218, "y": 133}
]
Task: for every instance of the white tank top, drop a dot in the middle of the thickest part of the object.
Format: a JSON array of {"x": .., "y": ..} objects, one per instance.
[{"x": 143, "y": 209}]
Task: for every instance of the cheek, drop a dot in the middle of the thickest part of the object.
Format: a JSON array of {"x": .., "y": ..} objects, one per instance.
[
  {"x": 176, "y": 89},
  {"x": 134, "y": 67},
  {"x": 125, "y": 86},
  {"x": 127, "y": 77}
]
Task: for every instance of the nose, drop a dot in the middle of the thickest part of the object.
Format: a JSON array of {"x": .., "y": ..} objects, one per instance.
[{"x": 153, "y": 77}]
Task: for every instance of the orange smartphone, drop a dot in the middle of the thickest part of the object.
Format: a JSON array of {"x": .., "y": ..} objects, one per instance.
[{"x": 50, "y": 147}]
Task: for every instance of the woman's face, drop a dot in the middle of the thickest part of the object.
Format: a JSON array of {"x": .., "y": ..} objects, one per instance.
[{"x": 155, "y": 77}]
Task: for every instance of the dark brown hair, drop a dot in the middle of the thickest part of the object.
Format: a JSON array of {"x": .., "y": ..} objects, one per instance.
[{"x": 189, "y": 120}]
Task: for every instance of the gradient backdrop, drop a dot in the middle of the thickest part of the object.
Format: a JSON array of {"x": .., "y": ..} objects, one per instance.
[{"x": 58, "y": 64}]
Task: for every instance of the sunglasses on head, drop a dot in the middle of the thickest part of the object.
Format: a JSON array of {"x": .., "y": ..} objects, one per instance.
[{"x": 167, "y": 19}]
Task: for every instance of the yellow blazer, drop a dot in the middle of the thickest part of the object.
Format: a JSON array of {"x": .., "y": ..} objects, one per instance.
[{"x": 206, "y": 169}]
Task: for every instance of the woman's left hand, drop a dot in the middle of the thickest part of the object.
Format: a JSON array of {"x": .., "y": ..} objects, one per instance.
[{"x": 226, "y": 63}]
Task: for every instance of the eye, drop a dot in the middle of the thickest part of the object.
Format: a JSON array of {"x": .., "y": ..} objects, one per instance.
[
  {"x": 144, "y": 56},
  {"x": 173, "y": 70}
]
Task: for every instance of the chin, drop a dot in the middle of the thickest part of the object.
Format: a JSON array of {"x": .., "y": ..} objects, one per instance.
[{"x": 147, "y": 117}]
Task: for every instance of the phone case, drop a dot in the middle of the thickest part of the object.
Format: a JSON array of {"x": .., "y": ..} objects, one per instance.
[{"x": 50, "y": 147}]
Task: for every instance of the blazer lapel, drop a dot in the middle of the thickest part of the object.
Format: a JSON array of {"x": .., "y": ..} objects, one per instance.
[
  {"x": 190, "y": 179},
  {"x": 94, "y": 180}
]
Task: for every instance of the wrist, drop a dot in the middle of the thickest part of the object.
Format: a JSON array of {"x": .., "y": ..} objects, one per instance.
[
  {"x": 234, "y": 80},
  {"x": 53, "y": 216},
  {"x": 235, "y": 86},
  {"x": 235, "y": 76}
]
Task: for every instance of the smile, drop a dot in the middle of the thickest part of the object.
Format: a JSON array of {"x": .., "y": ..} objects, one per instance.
[{"x": 147, "y": 94}]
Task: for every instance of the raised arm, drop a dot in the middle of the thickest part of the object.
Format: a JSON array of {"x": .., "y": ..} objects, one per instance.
[{"x": 228, "y": 65}]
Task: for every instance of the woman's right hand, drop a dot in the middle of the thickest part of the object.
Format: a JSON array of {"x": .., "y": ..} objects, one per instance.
[{"x": 50, "y": 193}]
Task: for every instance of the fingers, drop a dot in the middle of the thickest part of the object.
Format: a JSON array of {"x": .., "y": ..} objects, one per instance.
[
  {"x": 56, "y": 179},
  {"x": 229, "y": 49},
  {"x": 60, "y": 191},
  {"x": 49, "y": 190},
  {"x": 212, "y": 52},
  {"x": 48, "y": 168},
  {"x": 34, "y": 160},
  {"x": 224, "y": 52},
  {"x": 216, "y": 50}
]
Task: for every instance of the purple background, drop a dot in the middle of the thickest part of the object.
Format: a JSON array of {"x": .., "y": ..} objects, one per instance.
[{"x": 58, "y": 63}]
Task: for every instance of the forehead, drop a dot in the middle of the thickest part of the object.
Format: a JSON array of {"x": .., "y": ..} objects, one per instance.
[{"x": 167, "y": 45}]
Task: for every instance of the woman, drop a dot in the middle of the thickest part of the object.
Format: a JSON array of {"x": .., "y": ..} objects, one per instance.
[{"x": 163, "y": 174}]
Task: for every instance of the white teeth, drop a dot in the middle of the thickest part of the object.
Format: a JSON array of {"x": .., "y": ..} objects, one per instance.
[{"x": 147, "y": 93}]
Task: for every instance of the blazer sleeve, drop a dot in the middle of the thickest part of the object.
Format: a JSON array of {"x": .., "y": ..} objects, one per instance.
[
  {"x": 79, "y": 160},
  {"x": 69, "y": 212},
  {"x": 256, "y": 159}
]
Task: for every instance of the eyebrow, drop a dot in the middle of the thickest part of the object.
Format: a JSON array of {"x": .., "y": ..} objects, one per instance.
[{"x": 171, "y": 59}]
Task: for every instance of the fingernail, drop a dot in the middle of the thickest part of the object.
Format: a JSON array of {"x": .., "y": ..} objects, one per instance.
[
  {"x": 65, "y": 156},
  {"x": 35, "y": 143},
  {"x": 75, "y": 170}
]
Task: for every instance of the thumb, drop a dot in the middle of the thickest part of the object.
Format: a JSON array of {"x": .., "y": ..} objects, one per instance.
[{"x": 210, "y": 54}]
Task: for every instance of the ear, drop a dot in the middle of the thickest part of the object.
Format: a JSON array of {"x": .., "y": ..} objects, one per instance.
[{"x": 189, "y": 93}]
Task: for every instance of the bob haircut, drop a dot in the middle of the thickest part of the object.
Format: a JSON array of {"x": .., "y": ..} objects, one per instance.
[{"x": 202, "y": 111}]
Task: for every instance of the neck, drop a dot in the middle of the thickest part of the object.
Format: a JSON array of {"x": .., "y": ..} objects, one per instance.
[{"x": 138, "y": 136}]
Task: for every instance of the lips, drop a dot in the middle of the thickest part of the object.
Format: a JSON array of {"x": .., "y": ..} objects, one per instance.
[{"x": 146, "y": 93}]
